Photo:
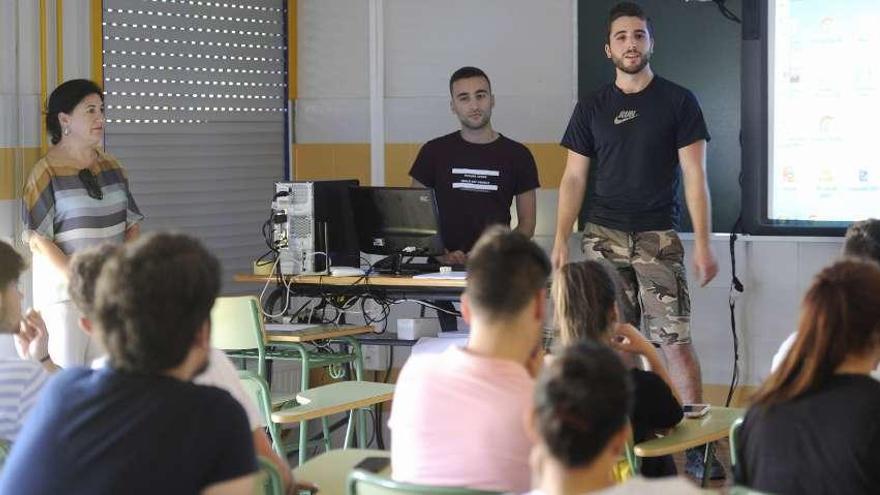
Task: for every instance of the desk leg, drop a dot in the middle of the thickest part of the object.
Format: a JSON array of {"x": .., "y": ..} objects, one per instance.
[
  {"x": 304, "y": 385},
  {"x": 360, "y": 414}
]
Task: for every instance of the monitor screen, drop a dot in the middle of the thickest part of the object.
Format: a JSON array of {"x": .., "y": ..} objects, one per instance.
[{"x": 396, "y": 220}]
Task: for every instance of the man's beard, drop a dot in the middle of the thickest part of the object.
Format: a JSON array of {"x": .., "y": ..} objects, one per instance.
[
  {"x": 483, "y": 122},
  {"x": 620, "y": 63}
]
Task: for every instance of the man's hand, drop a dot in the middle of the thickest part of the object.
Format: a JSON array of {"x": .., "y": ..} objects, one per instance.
[
  {"x": 32, "y": 339},
  {"x": 559, "y": 256},
  {"x": 452, "y": 258},
  {"x": 705, "y": 264}
]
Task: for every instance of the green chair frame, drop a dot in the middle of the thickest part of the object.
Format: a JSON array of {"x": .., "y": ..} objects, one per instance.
[
  {"x": 734, "y": 433},
  {"x": 271, "y": 482},
  {"x": 5, "y": 447},
  {"x": 238, "y": 330},
  {"x": 258, "y": 390},
  {"x": 365, "y": 483}
]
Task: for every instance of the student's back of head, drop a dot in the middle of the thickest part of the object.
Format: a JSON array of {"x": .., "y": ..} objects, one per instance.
[
  {"x": 585, "y": 295},
  {"x": 506, "y": 271},
  {"x": 840, "y": 319},
  {"x": 85, "y": 266},
  {"x": 863, "y": 240},
  {"x": 582, "y": 402},
  {"x": 151, "y": 300},
  {"x": 11, "y": 267}
]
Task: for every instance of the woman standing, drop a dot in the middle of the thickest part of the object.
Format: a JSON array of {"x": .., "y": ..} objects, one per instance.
[{"x": 76, "y": 196}]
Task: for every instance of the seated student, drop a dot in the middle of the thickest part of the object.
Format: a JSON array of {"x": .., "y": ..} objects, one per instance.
[
  {"x": 458, "y": 416},
  {"x": 139, "y": 425},
  {"x": 85, "y": 266},
  {"x": 585, "y": 294},
  {"x": 20, "y": 379},
  {"x": 814, "y": 426},
  {"x": 862, "y": 241},
  {"x": 580, "y": 418}
]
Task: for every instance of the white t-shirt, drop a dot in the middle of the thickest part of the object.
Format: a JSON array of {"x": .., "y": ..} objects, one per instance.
[
  {"x": 786, "y": 346},
  {"x": 656, "y": 486},
  {"x": 221, "y": 374}
]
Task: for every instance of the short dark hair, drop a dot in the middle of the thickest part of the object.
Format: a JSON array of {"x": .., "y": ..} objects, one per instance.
[
  {"x": 582, "y": 399},
  {"x": 85, "y": 266},
  {"x": 467, "y": 73},
  {"x": 151, "y": 299},
  {"x": 11, "y": 265},
  {"x": 863, "y": 240},
  {"x": 64, "y": 99},
  {"x": 628, "y": 9},
  {"x": 504, "y": 271}
]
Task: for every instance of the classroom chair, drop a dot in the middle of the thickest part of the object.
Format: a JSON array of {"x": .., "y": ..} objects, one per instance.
[
  {"x": 258, "y": 391},
  {"x": 364, "y": 483},
  {"x": 734, "y": 432}
]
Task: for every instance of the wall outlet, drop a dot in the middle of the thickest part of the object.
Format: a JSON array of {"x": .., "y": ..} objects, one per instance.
[{"x": 375, "y": 357}]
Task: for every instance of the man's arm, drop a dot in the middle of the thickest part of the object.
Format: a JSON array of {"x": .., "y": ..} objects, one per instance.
[
  {"x": 526, "y": 212},
  {"x": 243, "y": 485},
  {"x": 451, "y": 257},
  {"x": 133, "y": 232},
  {"x": 696, "y": 193},
  {"x": 571, "y": 197},
  {"x": 416, "y": 183}
]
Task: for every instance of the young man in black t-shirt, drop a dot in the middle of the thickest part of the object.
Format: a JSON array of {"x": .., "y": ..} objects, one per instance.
[
  {"x": 476, "y": 173},
  {"x": 637, "y": 137}
]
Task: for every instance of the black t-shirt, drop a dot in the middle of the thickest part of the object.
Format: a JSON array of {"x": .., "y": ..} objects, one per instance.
[
  {"x": 633, "y": 142},
  {"x": 474, "y": 183},
  {"x": 108, "y": 432},
  {"x": 655, "y": 408},
  {"x": 825, "y": 442}
]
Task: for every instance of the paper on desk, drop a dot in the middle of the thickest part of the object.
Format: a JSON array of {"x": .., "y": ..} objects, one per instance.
[{"x": 443, "y": 276}]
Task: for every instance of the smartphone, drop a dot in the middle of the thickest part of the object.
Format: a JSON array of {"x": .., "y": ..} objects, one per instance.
[
  {"x": 373, "y": 464},
  {"x": 695, "y": 410}
]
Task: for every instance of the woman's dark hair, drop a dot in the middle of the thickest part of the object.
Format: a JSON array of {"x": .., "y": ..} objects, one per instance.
[
  {"x": 840, "y": 317},
  {"x": 584, "y": 294},
  {"x": 64, "y": 99},
  {"x": 582, "y": 399}
]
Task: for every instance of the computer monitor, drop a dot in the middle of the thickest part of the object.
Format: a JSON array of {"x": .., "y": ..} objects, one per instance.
[{"x": 396, "y": 221}]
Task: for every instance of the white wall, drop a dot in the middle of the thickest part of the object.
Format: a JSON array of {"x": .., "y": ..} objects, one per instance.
[{"x": 529, "y": 58}]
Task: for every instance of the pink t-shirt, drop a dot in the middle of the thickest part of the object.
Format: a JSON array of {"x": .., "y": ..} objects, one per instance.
[{"x": 459, "y": 419}]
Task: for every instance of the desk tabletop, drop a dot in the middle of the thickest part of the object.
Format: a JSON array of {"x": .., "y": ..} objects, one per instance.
[
  {"x": 334, "y": 398},
  {"x": 318, "y": 332},
  {"x": 692, "y": 432},
  {"x": 378, "y": 280},
  {"x": 329, "y": 471}
]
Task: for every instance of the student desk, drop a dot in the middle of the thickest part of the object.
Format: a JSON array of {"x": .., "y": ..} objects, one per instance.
[
  {"x": 693, "y": 432},
  {"x": 329, "y": 471}
]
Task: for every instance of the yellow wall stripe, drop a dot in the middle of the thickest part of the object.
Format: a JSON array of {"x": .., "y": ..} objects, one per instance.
[
  {"x": 291, "y": 49},
  {"x": 352, "y": 160},
  {"x": 59, "y": 41},
  {"x": 43, "y": 88},
  {"x": 9, "y": 189},
  {"x": 97, "y": 43}
]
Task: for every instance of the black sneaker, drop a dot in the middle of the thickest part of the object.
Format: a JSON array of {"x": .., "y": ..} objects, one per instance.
[{"x": 693, "y": 465}]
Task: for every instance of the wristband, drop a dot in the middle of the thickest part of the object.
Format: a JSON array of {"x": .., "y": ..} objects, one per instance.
[{"x": 44, "y": 359}]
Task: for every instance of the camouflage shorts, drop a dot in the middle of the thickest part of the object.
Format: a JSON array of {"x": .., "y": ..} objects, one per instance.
[{"x": 651, "y": 268}]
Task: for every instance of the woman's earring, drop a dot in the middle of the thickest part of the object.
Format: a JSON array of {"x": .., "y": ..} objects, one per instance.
[{"x": 66, "y": 131}]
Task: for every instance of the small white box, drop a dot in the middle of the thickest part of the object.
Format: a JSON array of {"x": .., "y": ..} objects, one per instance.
[{"x": 416, "y": 328}]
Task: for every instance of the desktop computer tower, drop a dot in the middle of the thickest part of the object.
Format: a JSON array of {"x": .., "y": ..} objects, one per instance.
[{"x": 313, "y": 224}]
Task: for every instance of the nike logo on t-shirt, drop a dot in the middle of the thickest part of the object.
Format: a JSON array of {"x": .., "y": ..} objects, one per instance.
[{"x": 625, "y": 115}]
